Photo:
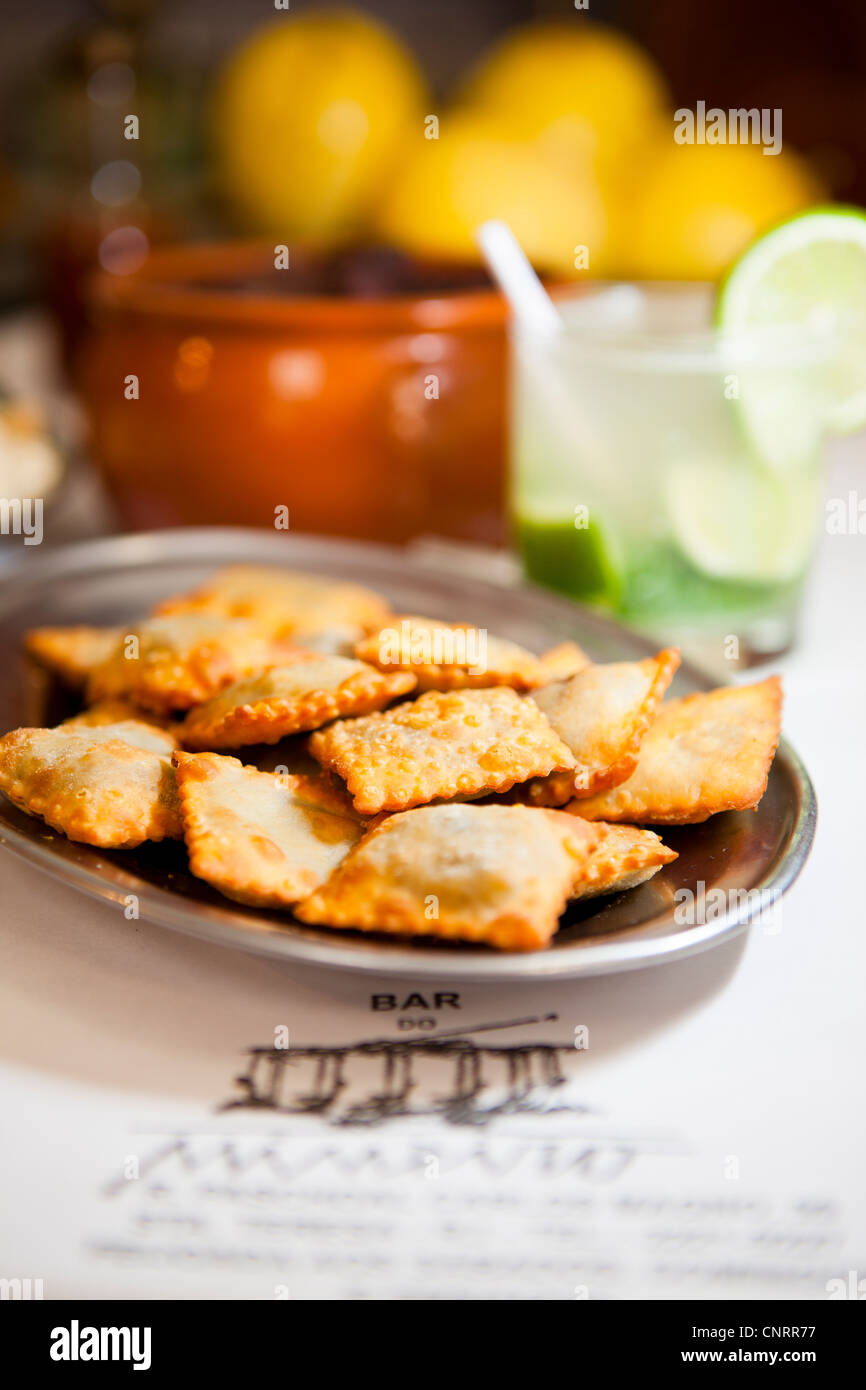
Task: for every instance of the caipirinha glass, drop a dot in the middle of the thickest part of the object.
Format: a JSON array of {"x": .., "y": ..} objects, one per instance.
[{"x": 665, "y": 471}]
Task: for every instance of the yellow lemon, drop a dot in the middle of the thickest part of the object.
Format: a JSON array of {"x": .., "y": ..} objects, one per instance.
[
  {"x": 698, "y": 206},
  {"x": 575, "y": 84},
  {"x": 472, "y": 171},
  {"x": 308, "y": 118}
]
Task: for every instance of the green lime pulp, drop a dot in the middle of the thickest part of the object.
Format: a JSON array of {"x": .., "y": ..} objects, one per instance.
[
  {"x": 570, "y": 559},
  {"x": 658, "y": 582}
]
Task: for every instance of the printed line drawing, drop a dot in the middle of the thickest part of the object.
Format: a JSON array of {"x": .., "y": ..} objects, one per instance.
[{"x": 515, "y": 1078}]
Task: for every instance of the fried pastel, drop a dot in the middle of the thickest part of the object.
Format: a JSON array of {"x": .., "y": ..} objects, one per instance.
[
  {"x": 259, "y": 837},
  {"x": 289, "y": 700},
  {"x": 705, "y": 753},
  {"x": 622, "y": 858},
  {"x": 444, "y": 744},
  {"x": 71, "y": 652},
  {"x": 602, "y": 713},
  {"x": 119, "y": 719},
  {"x": 450, "y": 656},
  {"x": 562, "y": 661},
  {"x": 168, "y": 664},
  {"x": 283, "y": 600},
  {"x": 340, "y": 639},
  {"x": 500, "y": 875},
  {"x": 93, "y": 786}
]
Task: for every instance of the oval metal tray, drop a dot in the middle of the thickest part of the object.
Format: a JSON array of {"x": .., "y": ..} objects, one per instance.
[{"x": 116, "y": 580}]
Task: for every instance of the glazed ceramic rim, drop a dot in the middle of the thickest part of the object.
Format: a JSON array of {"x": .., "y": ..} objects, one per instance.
[{"x": 176, "y": 282}]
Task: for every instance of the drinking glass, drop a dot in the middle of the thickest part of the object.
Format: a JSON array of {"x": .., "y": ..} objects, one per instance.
[{"x": 666, "y": 471}]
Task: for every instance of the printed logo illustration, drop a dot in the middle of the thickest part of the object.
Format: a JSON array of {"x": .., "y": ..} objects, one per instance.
[{"x": 449, "y": 1075}]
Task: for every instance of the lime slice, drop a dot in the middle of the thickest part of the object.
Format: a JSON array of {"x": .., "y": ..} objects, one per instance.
[
  {"x": 803, "y": 283},
  {"x": 574, "y": 560},
  {"x": 734, "y": 522}
]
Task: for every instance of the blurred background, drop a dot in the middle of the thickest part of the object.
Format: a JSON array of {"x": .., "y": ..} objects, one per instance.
[{"x": 238, "y": 269}]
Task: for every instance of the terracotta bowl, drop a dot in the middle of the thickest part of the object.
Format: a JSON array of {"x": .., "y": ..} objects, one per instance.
[{"x": 378, "y": 417}]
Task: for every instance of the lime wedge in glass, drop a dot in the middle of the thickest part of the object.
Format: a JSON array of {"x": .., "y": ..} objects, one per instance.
[
  {"x": 734, "y": 522},
  {"x": 578, "y": 561},
  {"x": 801, "y": 286}
]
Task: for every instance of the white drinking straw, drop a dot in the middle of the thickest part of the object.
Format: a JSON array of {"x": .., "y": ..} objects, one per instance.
[
  {"x": 507, "y": 262},
  {"x": 536, "y": 314}
]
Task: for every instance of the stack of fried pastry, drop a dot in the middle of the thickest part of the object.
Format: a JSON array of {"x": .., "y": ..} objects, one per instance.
[{"x": 465, "y": 787}]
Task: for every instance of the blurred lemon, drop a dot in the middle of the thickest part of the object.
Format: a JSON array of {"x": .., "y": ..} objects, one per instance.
[
  {"x": 697, "y": 206},
  {"x": 473, "y": 171},
  {"x": 308, "y": 117},
  {"x": 577, "y": 85}
]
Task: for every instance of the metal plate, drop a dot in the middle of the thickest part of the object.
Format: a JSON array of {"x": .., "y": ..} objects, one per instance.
[{"x": 113, "y": 581}]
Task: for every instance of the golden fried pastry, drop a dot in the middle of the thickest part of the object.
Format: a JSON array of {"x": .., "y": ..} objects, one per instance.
[
  {"x": 291, "y": 699},
  {"x": 704, "y": 753},
  {"x": 562, "y": 661},
  {"x": 551, "y": 793},
  {"x": 72, "y": 652},
  {"x": 174, "y": 663},
  {"x": 94, "y": 787},
  {"x": 340, "y": 639},
  {"x": 115, "y": 711},
  {"x": 623, "y": 858},
  {"x": 493, "y": 736},
  {"x": 602, "y": 713},
  {"x": 259, "y": 837},
  {"x": 460, "y": 743},
  {"x": 110, "y": 719},
  {"x": 450, "y": 656},
  {"x": 501, "y": 875},
  {"x": 286, "y": 602}
]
